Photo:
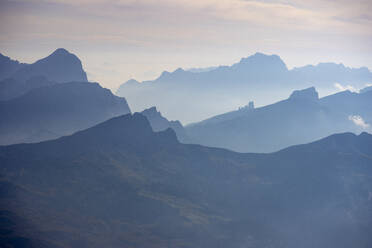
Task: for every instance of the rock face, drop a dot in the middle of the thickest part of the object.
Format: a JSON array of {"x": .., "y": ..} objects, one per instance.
[
  {"x": 59, "y": 109},
  {"x": 59, "y": 67},
  {"x": 119, "y": 184},
  {"x": 307, "y": 94},
  {"x": 160, "y": 123},
  {"x": 301, "y": 118}
]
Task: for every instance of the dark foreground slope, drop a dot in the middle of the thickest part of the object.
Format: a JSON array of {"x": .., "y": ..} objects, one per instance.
[
  {"x": 52, "y": 111},
  {"x": 119, "y": 184}
]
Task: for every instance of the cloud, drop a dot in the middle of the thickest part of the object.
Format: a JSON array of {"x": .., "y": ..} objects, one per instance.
[
  {"x": 358, "y": 121},
  {"x": 347, "y": 87}
]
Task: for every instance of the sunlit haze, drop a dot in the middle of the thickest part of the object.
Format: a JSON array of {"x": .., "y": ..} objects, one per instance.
[{"x": 123, "y": 39}]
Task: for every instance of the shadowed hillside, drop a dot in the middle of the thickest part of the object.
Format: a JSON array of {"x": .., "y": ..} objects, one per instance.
[
  {"x": 119, "y": 184},
  {"x": 53, "y": 111}
]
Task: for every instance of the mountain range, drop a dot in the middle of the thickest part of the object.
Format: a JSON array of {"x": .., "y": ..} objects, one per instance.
[
  {"x": 120, "y": 184},
  {"x": 77, "y": 169},
  {"x": 302, "y": 118},
  {"x": 263, "y": 78}
]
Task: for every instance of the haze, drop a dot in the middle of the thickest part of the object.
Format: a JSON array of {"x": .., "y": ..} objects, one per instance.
[{"x": 119, "y": 40}]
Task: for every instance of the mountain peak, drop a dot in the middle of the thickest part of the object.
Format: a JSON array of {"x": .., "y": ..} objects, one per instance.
[
  {"x": 132, "y": 81},
  {"x": 179, "y": 70},
  {"x": 61, "y": 51},
  {"x": 151, "y": 112},
  {"x": 61, "y": 66},
  {"x": 307, "y": 94},
  {"x": 160, "y": 123},
  {"x": 261, "y": 57},
  {"x": 260, "y": 60},
  {"x": 132, "y": 130}
]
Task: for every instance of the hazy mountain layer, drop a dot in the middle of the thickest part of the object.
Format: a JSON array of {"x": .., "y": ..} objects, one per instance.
[
  {"x": 302, "y": 118},
  {"x": 59, "y": 109},
  {"x": 119, "y": 184},
  {"x": 190, "y": 96}
]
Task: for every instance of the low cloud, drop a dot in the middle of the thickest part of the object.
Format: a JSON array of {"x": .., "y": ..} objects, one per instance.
[
  {"x": 358, "y": 121},
  {"x": 346, "y": 87}
]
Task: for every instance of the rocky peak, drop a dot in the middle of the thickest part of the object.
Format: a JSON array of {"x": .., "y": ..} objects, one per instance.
[{"x": 306, "y": 94}]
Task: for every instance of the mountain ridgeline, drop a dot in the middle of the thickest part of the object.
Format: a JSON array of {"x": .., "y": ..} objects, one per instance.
[
  {"x": 262, "y": 78},
  {"x": 78, "y": 170},
  {"x": 120, "y": 184},
  {"x": 301, "y": 118},
  {"x": 51, "y": 98},
  {"x": 160, "y": 123},
  {"x": 53, "y": 111}
]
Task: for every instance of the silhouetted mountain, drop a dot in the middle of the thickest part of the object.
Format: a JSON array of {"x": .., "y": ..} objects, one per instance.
[
  {"x": 119, "y": 184},
  {"x": 309, "y": 94},
  {"x": 61, "y": 66},
  {"x": 159, "y": 123},
  {"x": 302, "y": 118},
  {"x": 59, "y": 109},
  {"x": 262, "y": 78},
  {"x": 8, "y": 66}
]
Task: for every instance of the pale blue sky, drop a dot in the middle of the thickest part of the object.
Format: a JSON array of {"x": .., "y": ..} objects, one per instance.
[{"x": 121, "y": 39}]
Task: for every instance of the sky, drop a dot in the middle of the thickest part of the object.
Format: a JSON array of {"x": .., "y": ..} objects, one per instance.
[{"x": 122, "y": 39}]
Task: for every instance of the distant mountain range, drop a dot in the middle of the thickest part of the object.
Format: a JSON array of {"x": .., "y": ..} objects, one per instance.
[
  {"x": 262, "y": 78},
  {"x": 59, "y": 67},
  {"x": 55, "y": 110},
  {"x": 301, "y": 118},
  {"x": 119, "y": 184}
]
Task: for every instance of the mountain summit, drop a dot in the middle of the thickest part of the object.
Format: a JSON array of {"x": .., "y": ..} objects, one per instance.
[
  {"x": 61, "y": 66},
  {"x": 306, "y": 94},
  {"x": 160, "y": 123},
  {"x": 260, "y": 61}
]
